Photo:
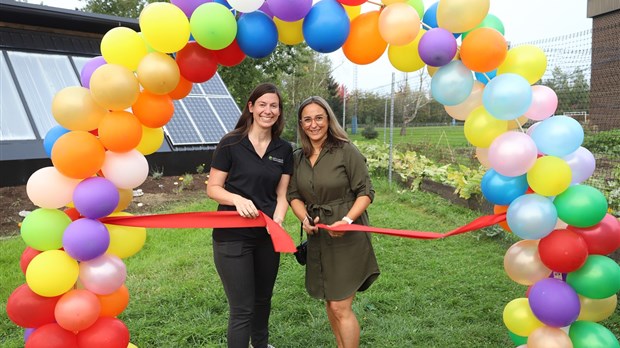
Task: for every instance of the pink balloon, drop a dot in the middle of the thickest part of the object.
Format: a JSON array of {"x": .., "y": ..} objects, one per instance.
[
  {"x": 103, "y": 275},
  {"x": 512, "y": 153},
  {"x": 77, "y": 310},
  {"x": 544, "y": 103}
]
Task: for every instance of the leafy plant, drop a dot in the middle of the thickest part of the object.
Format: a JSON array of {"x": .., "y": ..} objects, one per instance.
[
  {"x": 157, "y": 173},
  {"x": 605, "y": 142},
  {"x": 370, "y": 132},
  {"x": 200, "y": 168},
  {"x": 186, "y": 181}
]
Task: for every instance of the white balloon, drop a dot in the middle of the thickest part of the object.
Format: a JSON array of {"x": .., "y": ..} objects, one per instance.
[
  {"x": 48, "y": 188},
  {"x": 126, "y": 170},
  {"x": 246, "y": 6}
]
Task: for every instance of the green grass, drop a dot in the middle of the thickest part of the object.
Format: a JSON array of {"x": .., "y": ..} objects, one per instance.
[
  {"x": 442, "y": 293},
  {"x": 439, "y": 135}
]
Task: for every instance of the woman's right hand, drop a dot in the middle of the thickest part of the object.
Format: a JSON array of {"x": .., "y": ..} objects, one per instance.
[
  {"x": 245, "y": 207},
  {"x": 309, "y": 226}
]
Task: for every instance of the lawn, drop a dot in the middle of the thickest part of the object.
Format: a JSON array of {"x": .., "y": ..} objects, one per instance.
[{"x": 442, "y": 293}]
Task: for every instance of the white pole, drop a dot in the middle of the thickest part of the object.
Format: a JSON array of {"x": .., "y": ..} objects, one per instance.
[
  {"x": 391, "y": 133},
  {"x": 344, "y": 106}
]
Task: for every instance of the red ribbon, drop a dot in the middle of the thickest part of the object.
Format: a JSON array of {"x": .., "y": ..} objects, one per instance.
[{"x": 282, "y": 242}]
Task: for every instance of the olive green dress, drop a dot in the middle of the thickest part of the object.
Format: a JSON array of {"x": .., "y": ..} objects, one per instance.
[{"x": 336, "y": 267}]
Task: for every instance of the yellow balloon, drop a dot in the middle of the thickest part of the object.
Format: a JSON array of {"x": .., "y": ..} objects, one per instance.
[
  {"x": 125, "y": 198},
  {"x": 158, "y": 73},
  {"x": 75, "y": 109},
  {"x": 151, "y": 141},
  {"x": 528, "y": 61},
  {"x": 125, "y": 241},
  {"x": 481, "y": 128},
  {"x": 52, "y": 273},
  {"x": 406, "y": 58},
  {"x": 131, "y": 345},
  {"x": 352, "y": 11},
  {"x": 549, "y": 176},
  {"x": 114, "y": 87},
  {"x": 517, "y": 123},
  {"x": 123, "y": 46},
  {"x": 519, "y": 318},
  {"x": 164, "y": 26},
  {"x": 597, "y": 310},
  {"x": 459, "y": 16},
  {"x": 289, "y": 33}
]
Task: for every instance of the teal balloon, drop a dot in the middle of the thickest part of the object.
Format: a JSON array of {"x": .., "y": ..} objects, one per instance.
[
  {"x": 43, "y": 228},
  {"x": 588, "y": 334},
  {"x": 516, "y": 339},
  {"x": 507, "y": 96},
  {"x": 213, "y": 26},
  {"x": 581, "y": 206},
  {"x": 558, "y": 136},
  {"x": 598, "y": 278},
  {"x": 490, "y": 21},
  {"x": 452, "y": 83},
  {"x": 531, "y": 216}
]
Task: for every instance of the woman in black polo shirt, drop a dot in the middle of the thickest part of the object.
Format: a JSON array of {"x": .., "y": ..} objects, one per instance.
[{"x": 250, "y": 171}]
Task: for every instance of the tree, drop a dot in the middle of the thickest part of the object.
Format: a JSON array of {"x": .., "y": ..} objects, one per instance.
[
  {"x": 121, "y": 8},
  {"x": 414, "y": 101}
]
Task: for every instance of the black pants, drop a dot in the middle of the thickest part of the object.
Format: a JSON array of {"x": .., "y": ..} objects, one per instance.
[{"x": 248, "y": 270}]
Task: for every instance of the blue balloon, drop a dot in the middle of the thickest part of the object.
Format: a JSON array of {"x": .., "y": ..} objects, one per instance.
[
  {"x": 257, "y": 34},
  {"x": 485, "y": 79},
  {"x": 326, "y": 27},
  {"x": 51, "y": 136},
  {"x": 532, "y": 216},
  {"x": 502, "y": 190},
  {"x": 452, "y": 83},
  {"x": 507, "y": 96},
  {"x": 558, "y": 136}
]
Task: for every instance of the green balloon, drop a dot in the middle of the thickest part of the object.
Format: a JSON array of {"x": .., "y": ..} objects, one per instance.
[
  {"x": 581, "y": 206},
  {"x": 42, "y": 229},
  {"x": 418, "y": 5},
  {"x": 598, "y": 278},
  {"x": 490, "y": 21},
  {"x": 516, "y": 339},
  {"x": 213, "y": 26},
  {"x": 587, "y": 334}
]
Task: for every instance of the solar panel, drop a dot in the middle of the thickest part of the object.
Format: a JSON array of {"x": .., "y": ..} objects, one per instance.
[
  {"x": 215, "y": 86},
  {"x": 211, "y": 129},
  {"x": 181, "y": 129},
  {"x": 227, "y": 110}
]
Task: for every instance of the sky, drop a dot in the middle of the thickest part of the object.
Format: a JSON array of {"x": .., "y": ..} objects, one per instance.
[{"x": 524, "y": 20}]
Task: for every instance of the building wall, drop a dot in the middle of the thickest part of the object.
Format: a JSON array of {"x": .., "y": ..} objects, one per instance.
[{"x": 605, "y": 81}]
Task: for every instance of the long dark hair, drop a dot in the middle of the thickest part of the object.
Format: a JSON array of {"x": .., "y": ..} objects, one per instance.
[
  {"x": 245, "y": 120},
  {"x": 336, "y": 136}
]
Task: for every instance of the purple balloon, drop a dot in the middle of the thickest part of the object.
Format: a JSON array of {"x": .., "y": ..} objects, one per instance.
[
  {"x": 554, "y": 302},
  {"x": 188, "y": 6},
  {"x": 581, "y": 163},
  {"x": 86, "y": 239},
  {"x": 290, "y": 10},
  {"x": 437, "y": 47},
  {"x": 265, "y": 9},
  {"x": 95, "y": 197},
  {"x": 89, "y": 68},
  {"x": 27, "y": 332}
]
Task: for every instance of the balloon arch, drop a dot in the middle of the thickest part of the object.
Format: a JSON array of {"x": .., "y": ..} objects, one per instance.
[{"x": 73, "y": 263}]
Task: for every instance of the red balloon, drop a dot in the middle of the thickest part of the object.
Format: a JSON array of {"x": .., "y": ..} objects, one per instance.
[
  {"x": 106, "y": 332},
  {"x": 231, "y": 55},
  {"x": 27, "y": 256},
  {"x": 27, "y": 309},
  {"x": 563, "y": 251},
  {"x": 352, "y": 2},
  {"x": 602, "y": 238},
  {"x": 196, "y": 63},
  {"x": 51, "y": 336}
]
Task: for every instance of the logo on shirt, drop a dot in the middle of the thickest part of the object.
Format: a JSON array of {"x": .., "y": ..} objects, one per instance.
[{"x": 277, "y": 160}]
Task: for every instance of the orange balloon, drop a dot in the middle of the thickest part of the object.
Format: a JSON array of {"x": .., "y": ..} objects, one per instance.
[
  {"x": 126, "y": 196},
  {"x": 78, "y": 154},
  {"x": 483, "y": 49},
  {"x": 153, "y": 110},
  {"x": 517, "y": 122},
  {"x": 364, "y": 44},
  {"x": 120, "y": 131},
  {"x": 182, "y": 89},
  {"x": 114, "y": 303},
  {"x": 498, "y": 209}
]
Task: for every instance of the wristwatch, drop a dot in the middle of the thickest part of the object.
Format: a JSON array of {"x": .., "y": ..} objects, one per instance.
[{"x": 347, "y": 219}]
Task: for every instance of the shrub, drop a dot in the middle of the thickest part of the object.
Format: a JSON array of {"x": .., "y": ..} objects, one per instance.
[{"x": 370, "y": 132}]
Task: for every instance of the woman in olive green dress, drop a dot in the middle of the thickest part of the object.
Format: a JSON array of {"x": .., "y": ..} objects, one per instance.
[{"x": 331, "y": 185}]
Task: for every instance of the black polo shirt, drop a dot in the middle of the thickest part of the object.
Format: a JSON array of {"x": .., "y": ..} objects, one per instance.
[{"x": 252, "y": 177}]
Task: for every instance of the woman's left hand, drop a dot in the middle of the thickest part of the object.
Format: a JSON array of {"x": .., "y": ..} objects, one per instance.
[{"x": 334, "y": 233}]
